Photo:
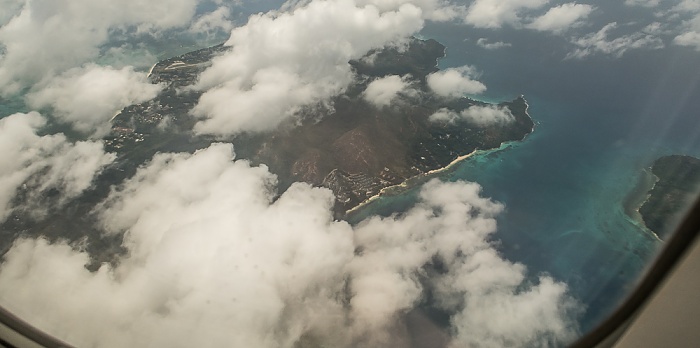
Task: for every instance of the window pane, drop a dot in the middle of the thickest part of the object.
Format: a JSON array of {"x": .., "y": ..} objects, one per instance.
[{"x": 340, "y": 172}]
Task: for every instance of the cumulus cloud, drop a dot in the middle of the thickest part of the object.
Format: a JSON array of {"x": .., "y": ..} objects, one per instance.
[
  {"x": 281, "y": 62},
  {"x": 560, "y": 18},
  {"x": 599, "y": 43},
  {"x": 455, "y": 82},
  {"x": 496, "y": 13},
  {"x": 10, "y": 8},
  {"x": 67, "y": 33},
  {"x": 88, "y": 97},
  {"x": 655, "y": 28},
  {"x": 217, "y": 258},
  {"x": 127, "y": 55},
  {"x": 36, "y": 163},
  {"x": 481, "y": 116},
  {"x": 690, "y": 28},
  {"x": 644, "y": 3},
  {"x": 213, "y": 22},
  {"x": 435, "y": 10},
  {"x": 484, "y": 43},
  {"x": 686, "y": 5},
  {"x": 382, "y": 91},
  {"x": 690, "y": 38}
]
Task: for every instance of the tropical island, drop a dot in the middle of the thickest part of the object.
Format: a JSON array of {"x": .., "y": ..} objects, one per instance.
[
  {"x": 356, "y": 149},
  {"x": 674, "y": 191}
]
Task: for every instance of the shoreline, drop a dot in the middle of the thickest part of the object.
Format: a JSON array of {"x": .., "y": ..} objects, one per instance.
[
  {"x": 151, "y": 70},
  {"x": 115, "y": 115},
  {"x": 417, "y": 179},
  {"x": 407, "y": 183},
  {"x": 637, "y": 197},
  {"x": 421, "y": 178}
]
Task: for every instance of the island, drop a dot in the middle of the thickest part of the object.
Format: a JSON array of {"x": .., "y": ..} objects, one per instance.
[
  {"x": 356, "y": 149},
  {"x": 675, "y": 186}
]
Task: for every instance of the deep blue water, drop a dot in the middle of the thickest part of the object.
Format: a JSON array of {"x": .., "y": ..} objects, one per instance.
[{"x": 600, "y": 121}]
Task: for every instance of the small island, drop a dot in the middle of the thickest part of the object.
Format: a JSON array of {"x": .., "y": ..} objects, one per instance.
[{"x": 676, "y": 186}]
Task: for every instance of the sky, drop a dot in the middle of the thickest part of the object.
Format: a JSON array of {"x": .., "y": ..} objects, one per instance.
[{"x": 215, "y": 254}]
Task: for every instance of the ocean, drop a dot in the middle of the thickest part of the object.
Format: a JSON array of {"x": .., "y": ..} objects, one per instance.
[{"x": 600, "y": 122}]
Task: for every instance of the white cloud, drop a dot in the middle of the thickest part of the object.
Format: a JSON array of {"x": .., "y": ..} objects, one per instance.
[
  {"x": 10, "y": 8},
  {"x": 213, "y": 22},
  {"x": 488, "y": 115},
  {"x": 687, "y": 6},
  {"x": 690, "y": 28},
  {"x": 88, "y": 97},
  {"x": 689, "y": 38},
  {"x": 644, "y": 3},
  {"x": 599, "y": 43},
  {"x": 137, "y": 56},
  {"x": 654, "y": 28},
  {"x": 484, "y": 43},
  {"x": 560, "y": 18},
  {"x": 481, "y": 116},
  {"x": 496, "y": 13},
  {"x": 67, "y": 33},
  {"x": 279, "y": 63},
  {"x": 39, "y": 163},
  {"x": 435, "y": 10},
  {"x": 382, "y": 91},
  {"x": 444, "y": 115},
  {"x": 455, "y": 82},
  {"x": 215, "y": 260}
]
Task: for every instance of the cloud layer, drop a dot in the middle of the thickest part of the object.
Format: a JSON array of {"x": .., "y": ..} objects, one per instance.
[
  {"x": 36, "y": 164},
  {"x": 600, "y": 43},
  {"x": 65, "y": 34},
  {"x": 280, "y": 63},
  {"x": 496, "y": 13},
  {"x": 215, "y": 259},
  {"x": 87, "y": 98},
  {"x": 690, "y": 33}
]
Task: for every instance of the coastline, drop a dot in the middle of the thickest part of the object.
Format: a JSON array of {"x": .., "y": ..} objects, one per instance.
[
  {"x": 421, "y": 178},
  {"x": 409, "y": 182},
  {"x": 115, "y": 115},
  {"x": 151, "y": 70},
  {"x": 637, "y": 197}
]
